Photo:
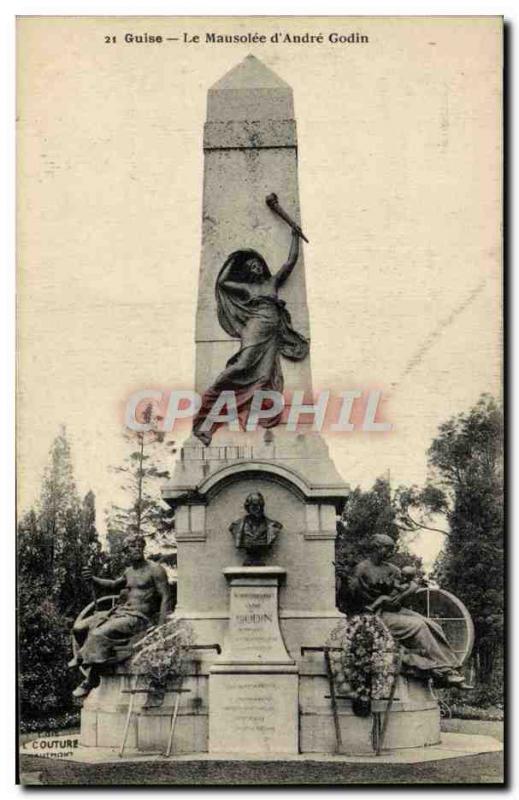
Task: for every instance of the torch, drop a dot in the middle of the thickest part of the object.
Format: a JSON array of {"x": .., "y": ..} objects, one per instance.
[{"x": 273, "y": 203}]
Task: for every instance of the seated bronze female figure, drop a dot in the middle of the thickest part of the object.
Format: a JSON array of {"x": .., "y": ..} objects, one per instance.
[{"x": 377, "y": 584}]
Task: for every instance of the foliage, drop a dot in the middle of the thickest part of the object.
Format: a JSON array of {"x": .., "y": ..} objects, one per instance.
[
  {"x": 142, "y": 476},
  {"x": 367, "y": 513},
  {"x": 487, "y": 695},
  {"x": 467, "y": 444},
  {"x": 162, "y": 656},
  {"x": 56, "y": 539},
  {"x": 116, "y": 547},
  {"x": 31, "y": 551},
  {"x": 50, "y": 724},
  {"x": 466, "y": 458},
  {"x": 418, "y": 507},
  {"x": 44, "y": 649},
  {"x": 366, "y": 662},
  {"x": 465, "y": 711}
]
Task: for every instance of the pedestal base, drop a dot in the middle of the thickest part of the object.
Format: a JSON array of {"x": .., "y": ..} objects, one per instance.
[
  {"x": 253, "y": 712},
  {"x": 414, "y": 720},
  {"x": 254, "y": 685},
  {"x": 105, "y": 710}
]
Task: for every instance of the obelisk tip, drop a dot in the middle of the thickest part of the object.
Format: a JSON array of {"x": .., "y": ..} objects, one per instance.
[
  {"x": 251, "y": 73},
  {"x": 250, "y": 91}
]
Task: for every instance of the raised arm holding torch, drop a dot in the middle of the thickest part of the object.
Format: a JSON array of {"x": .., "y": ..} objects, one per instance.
[{"x": 273, "y": 203}]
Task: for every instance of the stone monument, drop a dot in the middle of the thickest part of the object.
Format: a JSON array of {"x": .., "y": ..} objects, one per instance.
[
  {"x": 256, "y": 510},
  {"x": 259, "y": 695}
]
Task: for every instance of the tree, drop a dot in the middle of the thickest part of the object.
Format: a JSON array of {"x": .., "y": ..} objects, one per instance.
[
  {"x": 58, "y": 517},
  {"x": 143, "y": 475},
  {"x": 88, "y": 552},
  {"x": 70, "y": 539},
  {"x": 43, "y": 632},
  {"x": 45, "y": 682},
  {"x": 32, "y": 552},
  {"x": 367, "y": 513},
  {"x": 55, "y": 540},
  {"x": 466, "y": 460},
  {"x": 419, "y": 508}
]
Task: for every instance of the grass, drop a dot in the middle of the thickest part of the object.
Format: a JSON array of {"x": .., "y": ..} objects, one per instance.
[{"x": 480, "y": 769}]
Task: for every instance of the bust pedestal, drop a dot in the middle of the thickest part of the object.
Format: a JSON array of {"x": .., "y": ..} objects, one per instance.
[{"x": 253, "y": 686}]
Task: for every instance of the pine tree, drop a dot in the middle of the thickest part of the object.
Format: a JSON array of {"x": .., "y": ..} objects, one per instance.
[
  {"x": 142, "y": 477},
  {"x": 55, "y": 540},
  {"x": 88, "y": 552},
  {"x": 59, "y": 514}
]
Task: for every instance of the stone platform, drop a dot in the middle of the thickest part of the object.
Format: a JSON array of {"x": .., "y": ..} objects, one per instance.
[
  {"x": 452, "y": 745},
  {"x": 414, "y": 720}
]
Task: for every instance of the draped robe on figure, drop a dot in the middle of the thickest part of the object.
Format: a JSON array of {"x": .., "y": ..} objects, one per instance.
[
  {"x": 425, "y": 643},
  {"x": 264, "y": 326}
]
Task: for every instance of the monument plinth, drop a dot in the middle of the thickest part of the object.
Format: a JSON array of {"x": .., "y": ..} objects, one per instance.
[
  {"x": 254, "y": 636},
  {"x": 253, "y": 685}
]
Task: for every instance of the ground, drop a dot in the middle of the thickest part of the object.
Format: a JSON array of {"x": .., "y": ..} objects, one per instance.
[
  {"x": 478, "y": 769},
  {"x": 486, "y": 769}
]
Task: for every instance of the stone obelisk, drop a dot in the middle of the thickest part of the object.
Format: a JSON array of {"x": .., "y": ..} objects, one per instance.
[
  {"x": 250, "y": 151},
  {"x": 269, "y": 612},
  {"x": 250, "y": 147}
]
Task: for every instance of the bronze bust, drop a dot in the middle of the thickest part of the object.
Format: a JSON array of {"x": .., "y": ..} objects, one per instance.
[{"x": 255, "y": 532}]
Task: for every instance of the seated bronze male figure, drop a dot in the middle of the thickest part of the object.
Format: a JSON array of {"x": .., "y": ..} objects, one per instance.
[{"x": 105, "y": 637}]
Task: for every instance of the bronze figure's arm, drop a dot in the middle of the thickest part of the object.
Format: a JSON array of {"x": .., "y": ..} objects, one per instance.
[
  {"x": 104, "y": 583},
  {"x": 357, "y": 586},
  {"x": 281, "y": 276},
  {"x": 162, "y": 587},
  {"x": 407, "y": 592},
  {"x": 234, "y": 286}
]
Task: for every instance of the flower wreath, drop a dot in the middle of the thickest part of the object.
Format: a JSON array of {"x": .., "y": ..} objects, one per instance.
[
  {"x": 364, "y": 659},
  {"x": 162, "y": 657}
]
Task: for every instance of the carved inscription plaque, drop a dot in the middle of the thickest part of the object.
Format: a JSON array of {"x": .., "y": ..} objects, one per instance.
[
  {"x": 254, "y": 635},
  {"x": 253, "y": 713}
]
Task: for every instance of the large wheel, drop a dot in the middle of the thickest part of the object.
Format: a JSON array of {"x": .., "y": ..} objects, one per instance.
[
  {"x": 105, "y": 603},
  {"x": 449, "y": 612}
]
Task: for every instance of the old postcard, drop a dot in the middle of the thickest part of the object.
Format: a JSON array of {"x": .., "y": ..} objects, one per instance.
[{"x": 260, "y": 481}]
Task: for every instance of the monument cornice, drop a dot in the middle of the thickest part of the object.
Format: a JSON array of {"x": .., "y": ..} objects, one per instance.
[
  {"x": 246, "y": 134},
  {"x": 275, "y": 471}
]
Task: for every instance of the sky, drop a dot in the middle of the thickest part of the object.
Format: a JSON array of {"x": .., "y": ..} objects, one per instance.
[{"x": 400, "y": 187}]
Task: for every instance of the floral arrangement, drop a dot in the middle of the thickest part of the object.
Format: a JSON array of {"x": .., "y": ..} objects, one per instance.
[
  {"x": 162, "y": 656},
  {"x": 364, "y": 659}
]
